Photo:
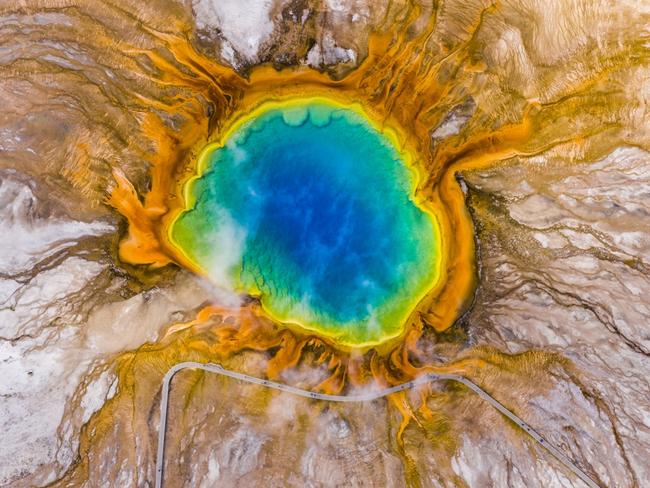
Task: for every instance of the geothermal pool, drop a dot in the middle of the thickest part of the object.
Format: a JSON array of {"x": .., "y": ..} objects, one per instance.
[{"x": 309, "y": 206}]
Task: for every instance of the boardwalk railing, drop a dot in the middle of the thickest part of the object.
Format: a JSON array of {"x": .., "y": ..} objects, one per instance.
[{"x": 365, "y": 397}]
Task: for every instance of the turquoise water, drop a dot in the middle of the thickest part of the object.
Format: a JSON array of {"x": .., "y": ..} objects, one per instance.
[{"x": 310, "y": 209}]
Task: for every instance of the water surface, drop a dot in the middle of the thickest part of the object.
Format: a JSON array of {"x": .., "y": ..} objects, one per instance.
[{"x": 310, "y": 207}]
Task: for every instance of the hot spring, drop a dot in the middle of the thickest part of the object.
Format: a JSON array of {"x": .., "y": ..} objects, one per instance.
[{"x": 311, "y": 207}]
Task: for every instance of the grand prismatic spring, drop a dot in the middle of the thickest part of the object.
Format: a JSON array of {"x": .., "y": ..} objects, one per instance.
[
  {"x": 338, "y": 196},
  {"x": 315, "y": 209}
]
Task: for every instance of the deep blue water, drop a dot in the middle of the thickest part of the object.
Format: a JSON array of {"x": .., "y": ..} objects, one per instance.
[{"x": 322, "y": 221}]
